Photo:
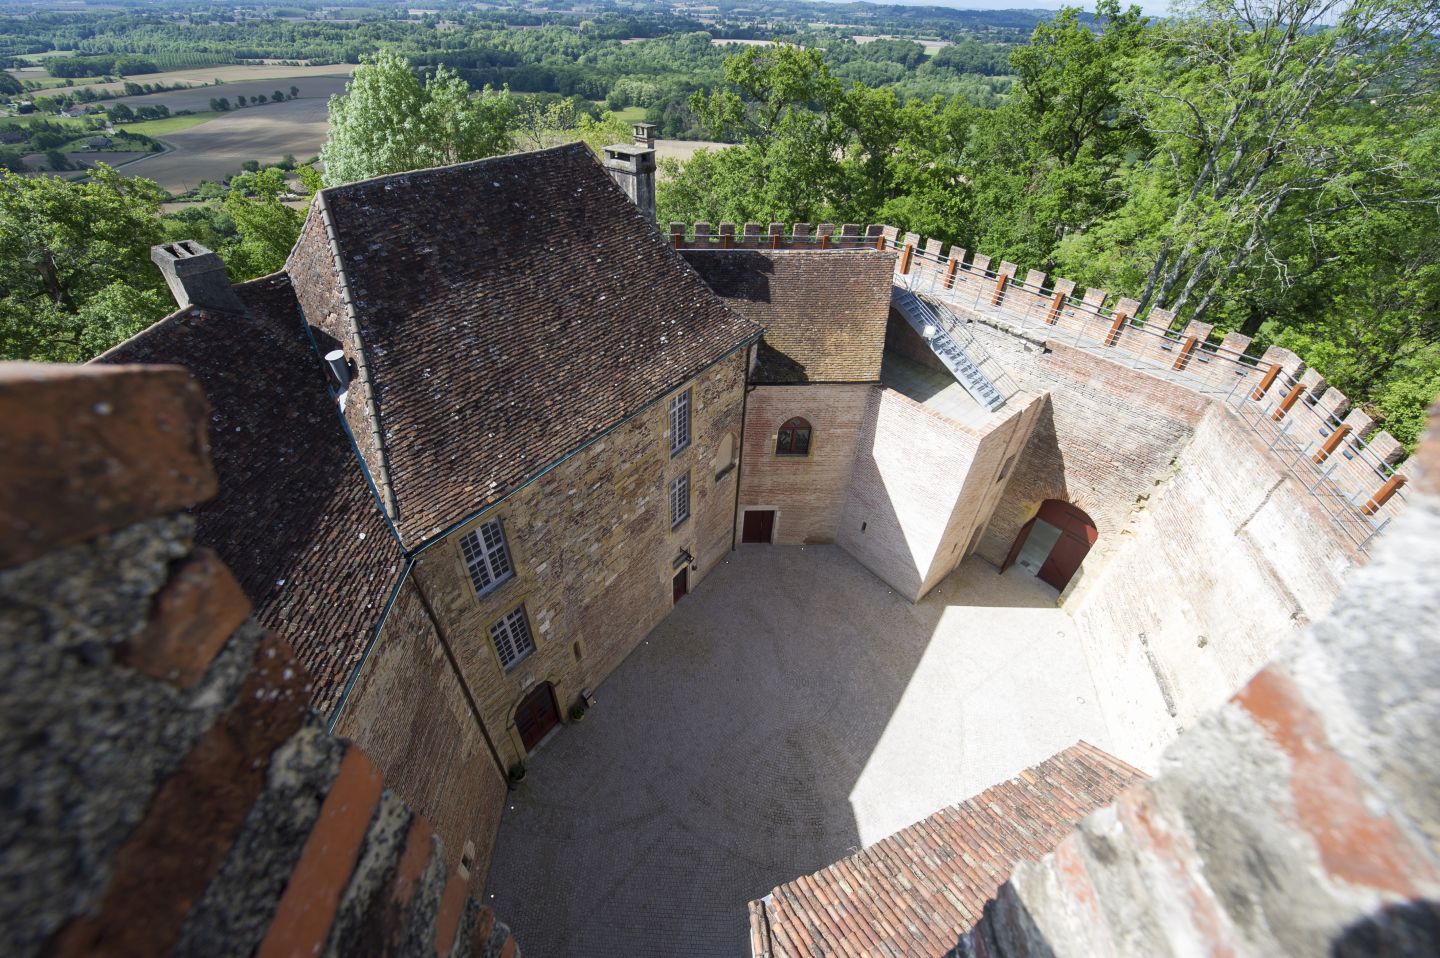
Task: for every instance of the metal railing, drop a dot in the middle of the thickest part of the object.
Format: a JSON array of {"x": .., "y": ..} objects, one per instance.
[
  {"x": 1341, "y": 473},
  {"x": 947, "y": 336}
]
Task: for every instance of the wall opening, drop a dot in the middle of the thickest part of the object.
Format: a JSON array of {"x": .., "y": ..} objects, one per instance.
[{"x": 1052, "y": 545}]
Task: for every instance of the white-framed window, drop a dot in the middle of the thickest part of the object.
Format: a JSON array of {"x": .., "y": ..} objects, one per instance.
[
  {"x": 679, "y": 499},
  {"x": 512, "y": 638},
  {"x": 679, "y": 422},
  {"x": 486, "y": 556}
]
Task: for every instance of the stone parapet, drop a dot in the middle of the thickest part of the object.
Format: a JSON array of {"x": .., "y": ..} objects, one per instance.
[
  {"x": 168, "y": 789},
  {"x": 1299, "y": 819}
]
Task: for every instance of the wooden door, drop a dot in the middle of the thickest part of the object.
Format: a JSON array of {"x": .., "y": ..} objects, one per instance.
[
  {"x": 759, "y": 526},
  {"x": 1064, "y": 560},
  {"x": 681, "y": 585},
  {"x": 537, "y": 715}
]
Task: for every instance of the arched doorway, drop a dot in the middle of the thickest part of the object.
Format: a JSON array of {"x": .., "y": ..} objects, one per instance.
[
  {"x": 536, "y": 715},
  {"x": 1052, "y": 545}
]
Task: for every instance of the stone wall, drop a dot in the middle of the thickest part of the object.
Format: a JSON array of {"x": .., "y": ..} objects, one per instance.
[
  {"x": 807, "y": 492},
  {"x": 1299, "y": 819},
  {"x": 594, "y": 554},
  {"x": 1217, "y": 571},
  {"x": 166, "y": 788},
  {"x": 410, "y": 713},
  {"x": 923, "y": 485}
]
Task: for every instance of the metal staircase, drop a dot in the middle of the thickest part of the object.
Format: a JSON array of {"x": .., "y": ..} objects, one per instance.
[{"x": 956, "y": 346}]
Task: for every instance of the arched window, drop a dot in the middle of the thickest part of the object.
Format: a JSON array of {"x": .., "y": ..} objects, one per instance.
[
  {"x": 794, "y": 438},
  {"x": 725, "y": 456}
]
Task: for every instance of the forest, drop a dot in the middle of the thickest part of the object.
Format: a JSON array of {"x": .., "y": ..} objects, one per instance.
[{"x": 1267, "y": 167}]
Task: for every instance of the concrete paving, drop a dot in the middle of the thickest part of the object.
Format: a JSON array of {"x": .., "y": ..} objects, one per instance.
[{"x": 789, "y": 712}]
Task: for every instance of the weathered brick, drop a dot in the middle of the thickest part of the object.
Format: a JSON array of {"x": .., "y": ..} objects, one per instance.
[
  {"x": 302, "y": 919},
  {"x": 191, "y": 618},
  {"x": 172, "y": 855},
  {"x": 90, "y": 449},
  {"x": 452, "y": 904}
]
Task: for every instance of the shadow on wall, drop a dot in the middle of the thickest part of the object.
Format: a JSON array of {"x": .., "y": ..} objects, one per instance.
[{"x": 1039, "y": 475}]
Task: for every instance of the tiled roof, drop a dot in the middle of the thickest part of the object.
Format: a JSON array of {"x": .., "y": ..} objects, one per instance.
[
  {"x": 295, "y": 518},
  {"x": 511, "y": 309},
  {"x": 824, "y": 312},
  {"x": 916, "y": 892}
]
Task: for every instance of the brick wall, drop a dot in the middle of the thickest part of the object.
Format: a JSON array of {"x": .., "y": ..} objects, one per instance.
[
  {"x": 1298, "y": 819},
  {"x": 1233, "y": 558},
  {"x": 1106, "y": 438},
  {"x": 922, "y": 485},
  {"x": 166, "y": 787},
  {"x": 409, "y": 712},
  {"x": 807, "y": 492},
  {"x": 594, "y": 555}
]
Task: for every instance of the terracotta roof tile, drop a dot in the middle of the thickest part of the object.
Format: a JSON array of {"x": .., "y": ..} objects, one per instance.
[
  {"x": 824, "y": 312},
  {"x": 510, "y": 309},
  {"x": 295, "y": 519},
  {"x": 915, "y": 892}
]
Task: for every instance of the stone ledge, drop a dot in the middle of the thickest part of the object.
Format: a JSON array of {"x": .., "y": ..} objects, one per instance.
[{"x": 89, "y": 449}]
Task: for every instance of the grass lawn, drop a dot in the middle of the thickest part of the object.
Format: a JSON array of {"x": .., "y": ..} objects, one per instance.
[
  {"x": 171, "y": 124},
  {"x": 631, "y": 114}
]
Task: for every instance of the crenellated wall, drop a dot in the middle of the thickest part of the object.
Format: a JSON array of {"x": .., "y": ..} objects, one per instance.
[{"x": 1289, "y": 405}]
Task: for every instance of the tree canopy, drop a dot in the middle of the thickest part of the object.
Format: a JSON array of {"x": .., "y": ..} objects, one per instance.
[
  {"x": 1264, "y": 166},
  {"x": 390, "y": 121}
]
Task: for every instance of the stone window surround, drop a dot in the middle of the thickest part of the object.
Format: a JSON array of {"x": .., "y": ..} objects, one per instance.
[
  {"x": 504, "y": 619},
  {"x": 679, "y": 420},
  {"x": 480, "y": 595},
  {"x": 677, "y": 519}
]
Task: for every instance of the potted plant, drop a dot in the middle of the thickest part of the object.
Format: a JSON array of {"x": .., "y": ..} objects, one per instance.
[{"x": 577, "y": 711}]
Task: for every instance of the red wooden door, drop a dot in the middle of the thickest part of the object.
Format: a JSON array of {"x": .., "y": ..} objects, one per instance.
[
  {"x": 1064, "y": 560},
  {"x": 759, "y": 526},
  {"x": 537, "y": 715},
  {"x": 681, "y": 585}
]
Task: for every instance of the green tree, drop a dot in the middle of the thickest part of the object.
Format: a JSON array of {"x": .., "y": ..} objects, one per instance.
[
  {"x": 75, "y": 271},
  {"x": 267, "y": 228},
  {"x": 388, "y": 121}
]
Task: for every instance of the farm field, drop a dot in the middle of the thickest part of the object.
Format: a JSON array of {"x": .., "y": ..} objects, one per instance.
[
  {"x": 215, "y": 149},
  {"x": 684, "y": 149},
  {"x": 171, "y": 124},
  {"x": 315, "y": 87},
  {"x": 236, "y": 74},
  {"x": 932, "y": 47}
]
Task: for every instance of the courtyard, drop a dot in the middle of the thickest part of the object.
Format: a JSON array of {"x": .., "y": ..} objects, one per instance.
[{"x": 791, "y": 711}]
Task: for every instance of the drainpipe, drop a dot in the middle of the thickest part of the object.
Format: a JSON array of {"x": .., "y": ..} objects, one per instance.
[{"x": 740, "y": 453}]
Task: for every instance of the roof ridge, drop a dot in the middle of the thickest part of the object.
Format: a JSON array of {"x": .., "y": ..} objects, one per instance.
[{"x": 429, "y": 171}]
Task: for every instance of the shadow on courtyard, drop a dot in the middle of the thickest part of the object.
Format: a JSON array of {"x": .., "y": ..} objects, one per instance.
[{"x": 791, "y": 711}]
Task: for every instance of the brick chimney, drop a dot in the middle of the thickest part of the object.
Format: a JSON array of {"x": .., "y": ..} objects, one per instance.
[
  {"x": 196, "y": 276},
  {"x": 633, "y": 167}
]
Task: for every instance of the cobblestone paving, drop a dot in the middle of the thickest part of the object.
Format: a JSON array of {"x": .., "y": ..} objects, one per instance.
[{"x": 789, "y": 712}]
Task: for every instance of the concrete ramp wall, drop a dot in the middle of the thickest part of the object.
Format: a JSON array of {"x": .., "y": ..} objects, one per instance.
[{"x": 924, "y": 487}]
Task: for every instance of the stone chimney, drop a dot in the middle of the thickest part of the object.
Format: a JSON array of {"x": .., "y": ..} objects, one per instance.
[
  {"x": 196, "y": 276},
  {"x": 633, "y": 167}
]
